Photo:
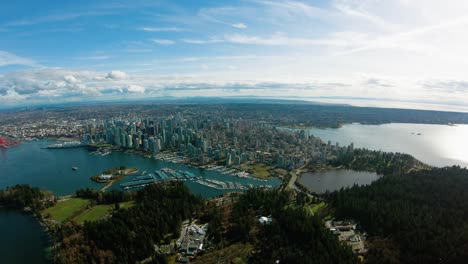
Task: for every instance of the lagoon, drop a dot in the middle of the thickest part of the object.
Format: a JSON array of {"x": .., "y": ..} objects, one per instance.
[{"x": 332, "y": 180}]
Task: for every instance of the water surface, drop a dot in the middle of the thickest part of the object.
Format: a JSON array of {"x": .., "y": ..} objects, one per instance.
[
  {"x": 436, "y": 145},
  {"x": 50, "y": 169},
  {"x": 22, "y": 239},
  {"x": 333, "y": 180}
]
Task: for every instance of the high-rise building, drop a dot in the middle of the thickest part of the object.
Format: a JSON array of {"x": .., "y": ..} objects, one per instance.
[
  {"x": 129, "y": 141},
  {"x": 136, "y": 143},
  {"x": 158, "y": 144}
]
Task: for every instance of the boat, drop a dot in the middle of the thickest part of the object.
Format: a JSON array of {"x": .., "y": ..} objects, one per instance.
[
  {"x": 68, "y": 144},
  {"x": 75, "y": 168}
]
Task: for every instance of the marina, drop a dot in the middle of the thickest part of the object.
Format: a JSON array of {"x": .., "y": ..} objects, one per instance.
[{"x": 167, "y": 174}]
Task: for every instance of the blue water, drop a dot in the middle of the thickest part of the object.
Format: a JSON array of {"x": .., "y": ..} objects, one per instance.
[
  {"x": 332, "y": 180},
  {"x": 22, "y": 239},
  {"x": 50, "y": 169},
  {"x": 437, "y": 145}
]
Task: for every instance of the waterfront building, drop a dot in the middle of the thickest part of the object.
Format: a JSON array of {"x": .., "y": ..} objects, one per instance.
[
  {"x": 129, "y": 141},
  {"x": 151, "y": 144},
  {"x": 136, "y": 143},
  {"x": 237, "y": 160},
  {"x": 158, "y": 144}
]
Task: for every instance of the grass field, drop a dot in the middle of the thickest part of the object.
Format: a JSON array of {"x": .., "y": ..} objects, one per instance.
[
  {"x": 98, "y": 212},
  {"x": 93, "y": 214},
  {"x": 260, "y": 171},
  {"x": 126, "y": 205},
  {"x": 64, "y": 210},
  {"x": 75, "y": 209},
  {"x": 314, "y": 208}
]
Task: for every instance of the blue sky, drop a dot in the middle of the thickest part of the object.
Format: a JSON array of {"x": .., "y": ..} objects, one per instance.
[{"x": 392, "y": 53}]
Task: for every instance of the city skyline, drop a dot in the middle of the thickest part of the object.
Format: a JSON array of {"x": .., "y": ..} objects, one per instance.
[{"x": 397, "y": 53}]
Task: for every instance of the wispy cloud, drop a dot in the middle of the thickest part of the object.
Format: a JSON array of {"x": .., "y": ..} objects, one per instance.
[
  {"x": 224, "y": 15},
  {"x": 163, "y": 41},
  {"x": 99, "y": 57},
  {"x": 160, "y": 29},
  {"x": 239, "y": 25},
  {"x": 277, "y": 39},
  {"x": 54, "y": 18},
  {"x": 7, "y": 58}
]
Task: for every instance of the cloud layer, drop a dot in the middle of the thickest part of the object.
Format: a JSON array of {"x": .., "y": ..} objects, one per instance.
[
  {"x": 393, "y": 52},
  {"x": 55, "y": 85}
]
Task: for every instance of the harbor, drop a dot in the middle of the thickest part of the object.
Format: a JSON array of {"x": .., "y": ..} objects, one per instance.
[{"x": 59, "y": 177}]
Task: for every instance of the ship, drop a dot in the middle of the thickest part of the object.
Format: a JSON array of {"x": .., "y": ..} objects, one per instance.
[
  {"x": 68, "y": 144},
  {"x": 75, "y": 168},
  {"x": 7, "y": 142}
]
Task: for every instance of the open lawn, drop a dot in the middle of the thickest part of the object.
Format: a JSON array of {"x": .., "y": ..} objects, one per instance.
[
  {"x": 313, "y": 209},
  {"x": 64, "y": 210},
  {"x": 93, "y": 214},
  {"x": 260, "y": 171},
  {"x": 98, "y": 212},
  {"x": 126, "y": 205}
]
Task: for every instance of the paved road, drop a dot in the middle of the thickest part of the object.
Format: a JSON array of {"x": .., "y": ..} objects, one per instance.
[{"x": 292, "y": 181}]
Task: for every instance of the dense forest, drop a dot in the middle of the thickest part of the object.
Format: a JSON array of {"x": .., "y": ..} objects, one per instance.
[
  {"x": 110, "y": 197},
  {"x": 384, "y": 163},
  {"x": 130, "y": 235},
  {"x": 21, "y": 196},
  {"x": 292, "y": 236},
  {"x": 420, "y": 217}
]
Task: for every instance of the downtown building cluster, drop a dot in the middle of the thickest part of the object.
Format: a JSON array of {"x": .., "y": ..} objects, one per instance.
[{"x": 208, "y": 138}]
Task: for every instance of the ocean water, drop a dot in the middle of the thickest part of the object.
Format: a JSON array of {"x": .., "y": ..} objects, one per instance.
[
  {"x": 22, "y": 239},
  {"x": 51, "y": 169},
  {"x": 437, "y": 145}
]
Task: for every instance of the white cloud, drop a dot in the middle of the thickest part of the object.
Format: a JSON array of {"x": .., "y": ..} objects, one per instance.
[
  {"x": 239, "y": 25},
  {"x": 70, "y": 79},
  {"x": 57, "y": 85},
  {"x": 116, "y": 75},
  {"x": 163, "y": 41},
  {"x": 132, "y": 88}
]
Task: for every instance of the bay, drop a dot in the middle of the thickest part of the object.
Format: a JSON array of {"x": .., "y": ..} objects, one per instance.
[
  {"x": 435, "y": 145},
  {"x": 51, "y": 169}
]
